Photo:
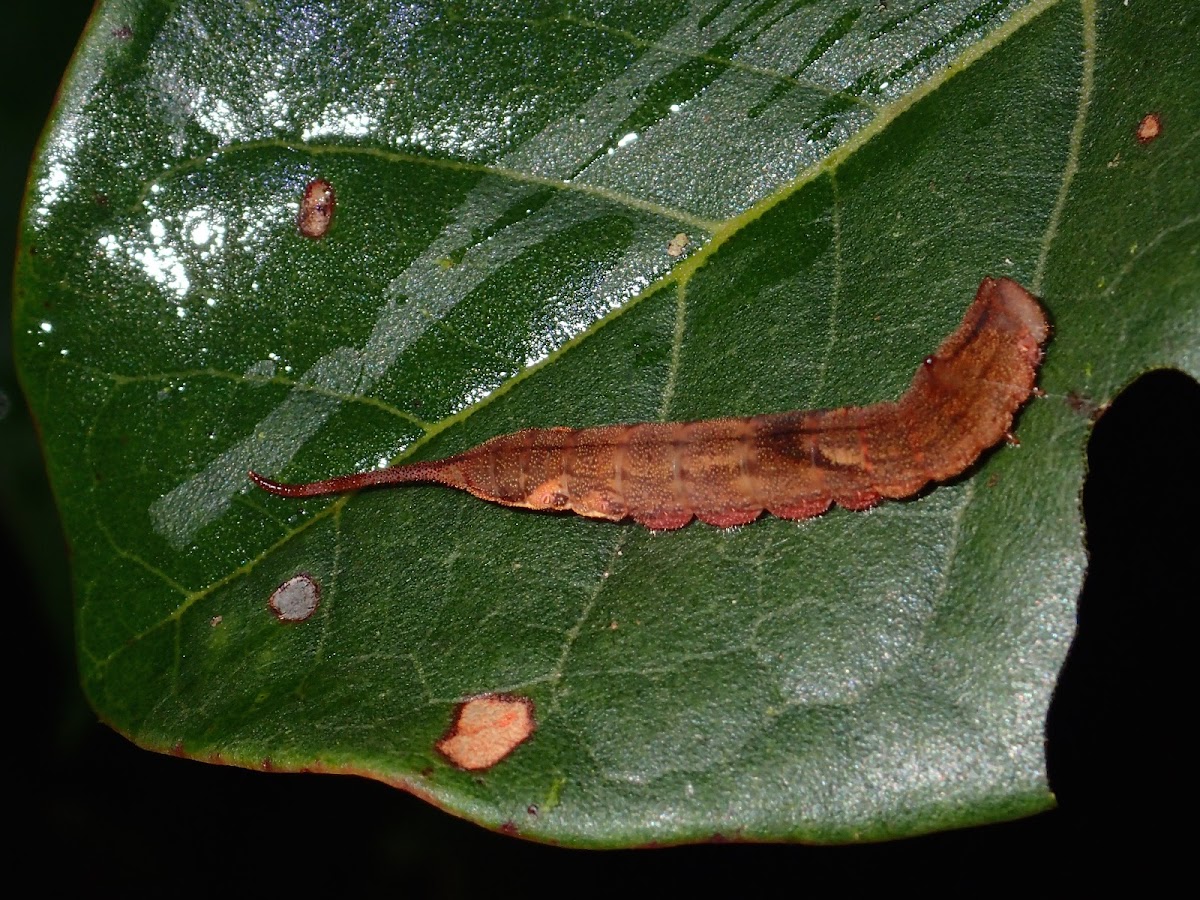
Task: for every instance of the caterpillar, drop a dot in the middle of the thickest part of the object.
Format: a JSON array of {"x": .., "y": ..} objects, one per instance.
[{"x": 794, "y": 465}]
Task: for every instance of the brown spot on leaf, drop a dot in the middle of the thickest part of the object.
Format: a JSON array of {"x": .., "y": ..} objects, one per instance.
[
  {"x": 1084, "y": 405},
  {"x": 1149, "y": 128},
  {"x": 296, "y": 599},
  {"x": 486, "y": 729},
  {"x": 316, "y": 209},
  {"x": 123, "y": 33}
]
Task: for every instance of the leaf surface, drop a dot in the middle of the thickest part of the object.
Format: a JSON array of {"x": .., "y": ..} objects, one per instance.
[{"x": 511, "y": 193}]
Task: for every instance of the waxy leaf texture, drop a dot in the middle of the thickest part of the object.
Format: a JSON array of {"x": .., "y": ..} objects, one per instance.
[{"x": 316, "y": 238}]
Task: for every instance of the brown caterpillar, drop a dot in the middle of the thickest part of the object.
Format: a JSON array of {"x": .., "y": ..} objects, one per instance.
[{"x": 794, "y": 465}]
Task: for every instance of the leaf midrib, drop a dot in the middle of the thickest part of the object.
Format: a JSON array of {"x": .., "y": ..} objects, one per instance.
[{"x": 679, "y": 276}]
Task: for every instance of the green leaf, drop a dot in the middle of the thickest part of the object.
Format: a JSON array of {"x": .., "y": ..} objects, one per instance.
[{"x": 507, "y": 188}]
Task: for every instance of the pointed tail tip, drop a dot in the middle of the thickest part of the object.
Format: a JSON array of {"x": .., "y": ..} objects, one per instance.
[
  {"x": 444, "y": 471},
  {"x": 272, "y": 487}
]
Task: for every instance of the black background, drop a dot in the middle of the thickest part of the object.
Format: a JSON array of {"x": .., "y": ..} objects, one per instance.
[{"x": 92, "y": 810}]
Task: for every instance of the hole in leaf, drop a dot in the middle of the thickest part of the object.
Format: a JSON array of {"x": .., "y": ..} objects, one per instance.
[{"x": 1117, "y": 726}]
